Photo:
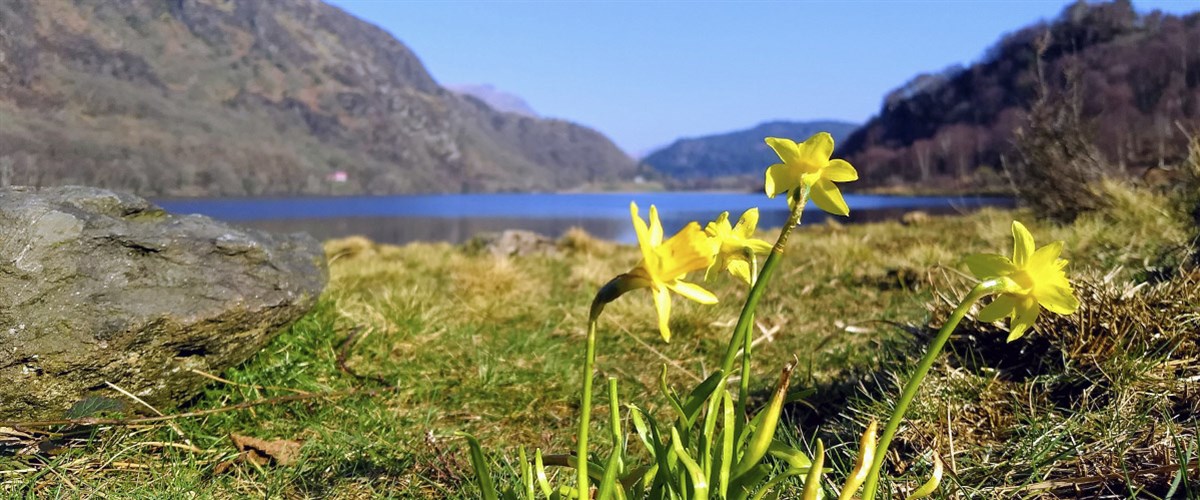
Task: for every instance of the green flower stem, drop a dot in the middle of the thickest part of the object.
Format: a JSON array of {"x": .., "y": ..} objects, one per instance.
[
  {"x": 607, "y": 293},
  {"x": 747, "y": 344},
  {"x": 586, "y": 406},
  {"x": 914, "y": 383},
  {"x": 741, "y": 332},
  {"x": 744, "y": 383}
]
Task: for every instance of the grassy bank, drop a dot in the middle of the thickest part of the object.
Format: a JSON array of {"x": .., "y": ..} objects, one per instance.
[{"x": 450, "y": 340}]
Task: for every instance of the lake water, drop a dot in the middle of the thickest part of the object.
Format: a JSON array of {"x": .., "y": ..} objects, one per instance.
[{"x": 458, "y": 217}]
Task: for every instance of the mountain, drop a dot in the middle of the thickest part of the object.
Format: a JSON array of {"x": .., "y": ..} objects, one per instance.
[
  {"x": 739, "y": 153},
  {"x": 1132, "y": 79},
  {"x": 249, "y": 98},
  {"x": 498, "y": 99}
]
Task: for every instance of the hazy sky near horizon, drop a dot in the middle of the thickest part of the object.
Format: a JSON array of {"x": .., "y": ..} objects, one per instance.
[{"x": 647, "y": 73}]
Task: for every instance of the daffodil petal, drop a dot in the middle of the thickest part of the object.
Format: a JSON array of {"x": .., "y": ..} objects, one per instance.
[
  {"x": 817, "y": 149},
  {"x": 662, "y": 303},
  {"x": 719, "y": 227},
  {"x": 781, "y": 179},
  {"x": 989, "y": 265},
  {"x": 826, "y": 195},
  {"x": 1057, "y": 298},
  {"x": 740, "y": 269},
  {"x": 840, "y": 171},
  {"x": 787, "y": 149},
  {"x": 1024, "y": 317},
  {"x": 759, "y": 246},
  {"x": 656, "y": 229},
  {"x": 693, "y": 292},
  {"x": 643, "y": 233},
  {"x": 1000, "y": 307},
  {"x": 747, "y": 223},
  {"x": 1045, "y": 259},
  {"x": 1022, "y": 244}
]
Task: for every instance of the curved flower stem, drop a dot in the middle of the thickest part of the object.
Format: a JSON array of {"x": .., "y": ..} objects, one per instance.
[
  {"x": 914, "y": 382},
  {"x": 586, "y": 406},
  {"x": 741, "y": 332},
  {"x": 607, "y": 293}
]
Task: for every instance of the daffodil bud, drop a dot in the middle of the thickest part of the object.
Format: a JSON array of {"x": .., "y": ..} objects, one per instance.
[
  {"x": 931, "y": 485},
  {"x": 866, "y": 454},
  {"x": 760, "y": 442},
  {"x": 812, "y": 482}
]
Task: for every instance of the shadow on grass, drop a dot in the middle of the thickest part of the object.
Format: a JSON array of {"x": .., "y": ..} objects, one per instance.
[{"x": 1097, "y": 403}]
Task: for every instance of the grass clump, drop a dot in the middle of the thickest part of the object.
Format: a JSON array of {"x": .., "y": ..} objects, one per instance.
[{"x": 1093, "y": 404}]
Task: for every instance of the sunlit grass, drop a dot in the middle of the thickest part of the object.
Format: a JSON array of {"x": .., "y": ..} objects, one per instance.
[{"x": 492, "y": 346}]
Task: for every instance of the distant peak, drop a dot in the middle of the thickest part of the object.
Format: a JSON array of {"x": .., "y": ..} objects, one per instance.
[{"x": 498, "y": 99}]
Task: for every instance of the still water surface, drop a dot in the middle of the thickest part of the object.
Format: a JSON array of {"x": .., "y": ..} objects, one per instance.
[{"x": 458, "y": 217}]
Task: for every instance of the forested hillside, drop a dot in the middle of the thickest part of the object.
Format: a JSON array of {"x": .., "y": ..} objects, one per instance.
[{"x": 1133, "y": 80}]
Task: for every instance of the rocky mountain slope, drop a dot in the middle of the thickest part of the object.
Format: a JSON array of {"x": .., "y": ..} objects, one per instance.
[
  {"x": 1133, "y": 80},
  {"x": 739, "y": 153},
  {"x": 247, "y": 98}
]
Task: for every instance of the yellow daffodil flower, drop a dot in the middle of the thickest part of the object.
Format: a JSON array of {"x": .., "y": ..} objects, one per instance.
[
  {"x": 665, "y": 263},
  {"x": 1033, "y": 279},
  {"x": 735, "y": 247},
  {"x": 809, "y": 164}
]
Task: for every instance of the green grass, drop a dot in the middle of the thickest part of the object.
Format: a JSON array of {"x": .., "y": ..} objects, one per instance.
[{"x": 492, "y": 346}]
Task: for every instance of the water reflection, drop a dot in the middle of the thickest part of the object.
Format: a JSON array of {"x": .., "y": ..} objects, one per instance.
[{"x": 400, "y": 230}]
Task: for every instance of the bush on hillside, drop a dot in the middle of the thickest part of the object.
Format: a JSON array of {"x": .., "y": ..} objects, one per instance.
[{"x": 1058, "y": 164}]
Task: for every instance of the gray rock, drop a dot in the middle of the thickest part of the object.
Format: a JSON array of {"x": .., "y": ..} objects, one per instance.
[
  {"x": 106, "y": 287},
  {"x": 512, "y": 243},
  {"x": 915, "y": 218}
]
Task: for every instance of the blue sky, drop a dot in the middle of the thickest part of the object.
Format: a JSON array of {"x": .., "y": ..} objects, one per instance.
[{"x": 647, "y": 73}]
